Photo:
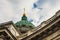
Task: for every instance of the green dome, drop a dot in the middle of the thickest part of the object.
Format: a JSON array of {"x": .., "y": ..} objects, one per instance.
[{"x": 24, "y": 22}]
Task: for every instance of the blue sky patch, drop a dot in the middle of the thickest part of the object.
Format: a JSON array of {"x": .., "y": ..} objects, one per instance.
[{"x": 34, "y": 5}]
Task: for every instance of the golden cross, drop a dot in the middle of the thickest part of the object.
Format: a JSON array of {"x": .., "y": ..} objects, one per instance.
[{"x": 24, "y": 10}]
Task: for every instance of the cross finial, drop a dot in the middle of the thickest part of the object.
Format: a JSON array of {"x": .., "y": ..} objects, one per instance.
[{"x": 24, "y": 10}]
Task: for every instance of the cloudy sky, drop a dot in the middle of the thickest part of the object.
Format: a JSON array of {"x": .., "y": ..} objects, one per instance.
[{"x": 37, "y": 11}]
